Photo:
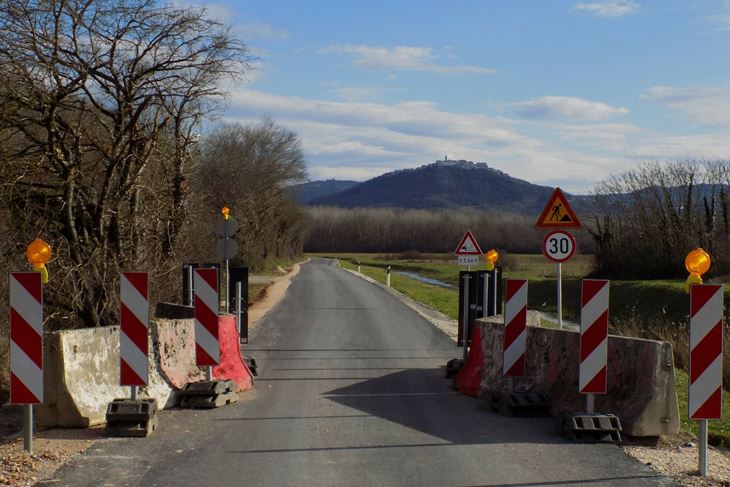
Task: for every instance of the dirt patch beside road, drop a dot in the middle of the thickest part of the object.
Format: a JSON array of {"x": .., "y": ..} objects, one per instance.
[
  {"x": 51, "y": 449},
  {"x": 677, "y": 457}
]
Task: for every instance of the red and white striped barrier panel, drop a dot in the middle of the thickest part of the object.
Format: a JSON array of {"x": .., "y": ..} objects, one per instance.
[
  {"x": 26, "y": 338},
  {"x": 134, "y": 329},
  {"x": 515, "y": 328},
  {"x": 592, "y": 377},
  {"x": 207, "y": 346},
  {"x": 705, "y": 344}
]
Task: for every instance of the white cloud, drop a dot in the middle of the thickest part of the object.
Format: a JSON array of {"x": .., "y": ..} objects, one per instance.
[
  {"x": 401, "y": 58},
  {"x": 218, "y": 11},
  {"x": 361, "y": 93},
  {"x": 704, "y": 105},
  {"x": 548, "y": 107},
  {"x": 357, "y": 140},
  {"x": 609, "y": 8},
  {"x": 261, "y": 30}
]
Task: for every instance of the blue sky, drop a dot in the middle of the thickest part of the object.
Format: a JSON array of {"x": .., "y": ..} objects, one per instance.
[{"x": 556, "y": 92}]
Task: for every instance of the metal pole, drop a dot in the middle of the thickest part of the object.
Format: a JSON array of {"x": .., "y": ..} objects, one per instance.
[
  {"x": 238, "y": 307},
  {"x": 209, "y": 373},
  {"x": 511, "y": 384},
  {"x": 560, "y": 295},
  {"x": 494, "y": 293},
  {"x": 486, "y": 294},
  {"x": 703, "y": 447},
  {"x": 190, "y": 285},
  {"x": 590, "y": 409},
  {"x": 133, "y": 394},
  {"x": 228, "y": 286},
  {"x": 465, "y": 321},
  {"x": 28, "y": 428}
]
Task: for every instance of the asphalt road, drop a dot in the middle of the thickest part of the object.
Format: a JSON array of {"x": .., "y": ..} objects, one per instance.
[{"x": 351, "y": 392}]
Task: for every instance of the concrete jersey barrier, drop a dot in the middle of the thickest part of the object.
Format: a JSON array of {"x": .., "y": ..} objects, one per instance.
[
  {"x": 641, "y": 385},
  {"x": 82, "y": 369},
  {"x": 82, "y": 377}
]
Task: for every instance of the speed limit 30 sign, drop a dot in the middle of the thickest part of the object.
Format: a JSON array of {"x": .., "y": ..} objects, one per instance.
[{"x": 558, "y": 246}]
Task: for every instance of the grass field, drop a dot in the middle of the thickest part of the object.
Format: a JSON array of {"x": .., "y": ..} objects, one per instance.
[{"x": 650, "y": 309}]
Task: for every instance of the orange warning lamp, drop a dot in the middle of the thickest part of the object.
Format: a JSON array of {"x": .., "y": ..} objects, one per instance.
[
  {"x": 492, "y": 257},
  {"x": 39, "y": 253},
  {"x": 697, "y": 263},
  {"x": 225, "y": 210}
]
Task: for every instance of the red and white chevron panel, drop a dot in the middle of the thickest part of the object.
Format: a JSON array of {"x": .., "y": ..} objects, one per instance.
[
  {"x": 134, "y": 329},
  {"x": 207, "y": 346},
  {"x": 705, "y": 344},
  {"x": 26, "y": 338},
  {"x": 592, "y": 378},
  {"x": 515, "y": 328}
]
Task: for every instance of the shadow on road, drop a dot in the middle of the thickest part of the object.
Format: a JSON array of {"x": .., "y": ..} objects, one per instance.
[{"x": 421, "y": 399}]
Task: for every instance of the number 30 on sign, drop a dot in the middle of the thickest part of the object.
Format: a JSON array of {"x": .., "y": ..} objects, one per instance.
[{"x": 558, "y": 246}]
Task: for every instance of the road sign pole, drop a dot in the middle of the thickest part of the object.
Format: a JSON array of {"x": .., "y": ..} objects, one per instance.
[
  {"x": 590, "y": 408},
  {"x": 190, "y": 285},
  {"x": 28, "y": 428},
  {"x": 465, "y": 321},
  {"x": 494, "y": 293},
  {"x": 705, "y": 365},
  {"x": 133, "y": 393},
  {"x": 228, "y": 285},
  {"x": 703, "y": 447},
  {"x": 486, "y": 294},
  {"x": 560, "y": 295}
]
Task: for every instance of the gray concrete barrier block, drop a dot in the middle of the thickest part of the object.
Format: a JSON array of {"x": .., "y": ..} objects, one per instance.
[
  {"x": 641, "y": 383},
  {"x": 81, "y": 377}
]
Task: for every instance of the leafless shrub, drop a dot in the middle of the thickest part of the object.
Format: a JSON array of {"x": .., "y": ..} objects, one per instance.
[{"x": 656, "y": 213}]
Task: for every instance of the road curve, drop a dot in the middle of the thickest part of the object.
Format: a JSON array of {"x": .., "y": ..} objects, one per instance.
[{"x": 350, "y": 393}]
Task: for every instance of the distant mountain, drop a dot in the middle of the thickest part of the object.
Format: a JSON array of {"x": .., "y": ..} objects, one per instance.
[
  {"x": 306, "y": 192},
  {"x": 447, "y": 184}
]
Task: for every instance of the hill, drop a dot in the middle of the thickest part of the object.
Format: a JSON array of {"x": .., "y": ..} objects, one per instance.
[
  {"x": 312, "y": 190},
  {"x": 447, "y": 184}
]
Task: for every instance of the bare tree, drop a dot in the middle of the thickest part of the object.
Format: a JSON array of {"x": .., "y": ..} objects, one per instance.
[
  {"x": 100, "y": 102},
  {"x": 250, "y": 169},
  {"x": 655, "y": 213}
]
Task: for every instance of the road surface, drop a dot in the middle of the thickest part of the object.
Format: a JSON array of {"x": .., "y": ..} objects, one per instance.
[{"x": 351, "y": 393}]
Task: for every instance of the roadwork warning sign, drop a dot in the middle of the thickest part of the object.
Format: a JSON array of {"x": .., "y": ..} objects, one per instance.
[{"x": 558, "y": 213}]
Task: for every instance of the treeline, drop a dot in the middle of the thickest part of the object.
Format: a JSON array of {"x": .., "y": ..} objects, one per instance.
[
  {"x": 249, "y": 170},
  {"x": 398, "y": 230},
  {"x": 656, "y": 213},
  {"x": 102, "y": 159}
]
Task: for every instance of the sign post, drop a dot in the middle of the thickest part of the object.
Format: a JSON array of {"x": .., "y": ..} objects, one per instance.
[
  {"x": 26, "y": 347},
  {"x": 592, "y": 374},
  {"x": 207, "y": 345},
  {"x": 705, "y": 365},
  {"x": 515, "y": 330},
  {"x": 558, "y": 246},
  {"x": 227, "y": 246},
  {"x": 468, "y": 254},
  {"x": 133, "y": 330}
]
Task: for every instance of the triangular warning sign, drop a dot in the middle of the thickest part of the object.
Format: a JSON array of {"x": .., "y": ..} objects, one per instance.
[
  {"x": 558, "y": 213},
  {"x": 468, "y": 245}
]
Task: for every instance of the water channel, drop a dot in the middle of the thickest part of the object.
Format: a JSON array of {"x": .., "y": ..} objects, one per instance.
[{"x": 425, "y": 280}]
